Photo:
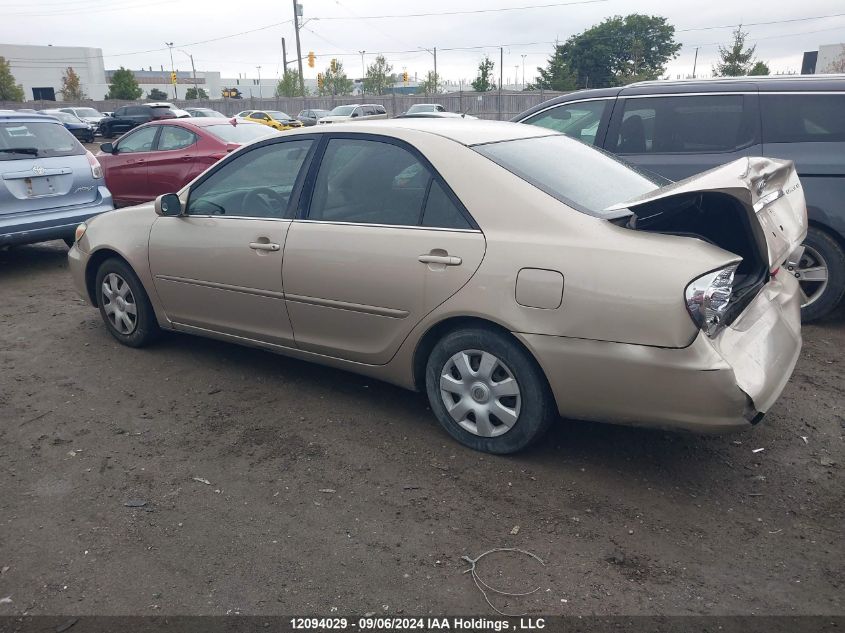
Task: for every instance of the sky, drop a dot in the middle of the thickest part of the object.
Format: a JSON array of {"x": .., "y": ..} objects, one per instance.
[{"x": 132, "y": 33}]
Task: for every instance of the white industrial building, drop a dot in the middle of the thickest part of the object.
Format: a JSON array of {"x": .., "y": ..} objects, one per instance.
[{"x": 39, "y": 69}]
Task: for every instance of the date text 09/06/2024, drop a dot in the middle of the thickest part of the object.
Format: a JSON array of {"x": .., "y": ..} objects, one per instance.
[{"x": 418, "y": 624}]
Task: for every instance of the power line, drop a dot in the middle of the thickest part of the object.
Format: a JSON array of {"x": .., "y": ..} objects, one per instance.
[{"x": 466, "y": 12}]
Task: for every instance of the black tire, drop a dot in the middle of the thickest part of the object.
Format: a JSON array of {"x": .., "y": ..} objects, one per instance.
[
  {"x": 145, "y": 327},
  {"x": 825, "y": 247},
  {"x": 536, "y": 405}
]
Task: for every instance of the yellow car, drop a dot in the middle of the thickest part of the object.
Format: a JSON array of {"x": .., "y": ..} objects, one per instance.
[{"x": 275, "y": 119}]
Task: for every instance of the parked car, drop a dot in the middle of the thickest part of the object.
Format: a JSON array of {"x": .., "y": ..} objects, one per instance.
[
  {"x": 310, "y": 117},
  {"x": 89, "y": 115},
  {"x": 425, "y": 107},
  {"x": 244, "y": 113},
  {"x": 204, "y": 112},
  {"x": 678, "y": 128},
  {"x": 49, "y": 183},
  {"x": 275, "y": 119},
  {"x": 432, "y": 254},
  {"x": 129, "y": 117},
  {"x": 344, "y": 113},
  {"x": 163, "y": 156},
  {"x": 82, "y": 130}
]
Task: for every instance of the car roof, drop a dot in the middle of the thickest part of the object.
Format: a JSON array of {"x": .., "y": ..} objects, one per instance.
[
  {"x": 199, "y": 122},
  {"x": 25, "y": 117},
  {"x": 463, "y": 131}
]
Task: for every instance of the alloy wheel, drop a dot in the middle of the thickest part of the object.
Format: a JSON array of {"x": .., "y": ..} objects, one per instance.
[
  {"x": 119, "y": 304},
  {"x": 480, "y": 393},
  {"x": 812, "y": 275}
]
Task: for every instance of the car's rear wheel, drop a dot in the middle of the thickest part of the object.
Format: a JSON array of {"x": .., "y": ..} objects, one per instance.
[
  {"x": 820, "y": 273},
  {"x": 488, "y": 392},
  {"x": 124, "y": 304}
]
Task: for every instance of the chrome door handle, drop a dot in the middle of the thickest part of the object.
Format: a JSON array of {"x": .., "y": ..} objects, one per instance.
[
  {"x": 446, "y": 260},
  {"x": 264, "y": 246}
]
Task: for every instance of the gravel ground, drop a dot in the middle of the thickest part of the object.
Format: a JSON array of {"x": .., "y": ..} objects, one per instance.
[{"x": 271, "y": 486}]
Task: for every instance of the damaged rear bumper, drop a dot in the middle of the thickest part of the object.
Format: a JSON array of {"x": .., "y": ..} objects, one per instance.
[{"x": 712, "y": 385}]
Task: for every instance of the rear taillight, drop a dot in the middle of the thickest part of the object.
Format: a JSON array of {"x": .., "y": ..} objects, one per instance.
[
  {"x": 96, "y": 168},
  {"x": 708, "y": 298}
]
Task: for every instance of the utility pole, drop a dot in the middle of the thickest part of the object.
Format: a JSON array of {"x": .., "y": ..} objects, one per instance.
[
  {"x": 501, "y": 75},
  {"x": 695, "y": 62},
  {"x": 524, "y": 55},
  {"x": 172, "y": 68},
  {"x": 436, "y": 78},
  {"x": 284, "y": 58},
  {"x": 296, "y": 9},
  {"x": 516, "y": 74},
  {"x": 258, "y": 68},
  {"x": 363, "y": 72}
]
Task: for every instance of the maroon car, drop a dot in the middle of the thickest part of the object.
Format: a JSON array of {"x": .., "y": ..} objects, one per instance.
[{"x": 163, "y": 156}]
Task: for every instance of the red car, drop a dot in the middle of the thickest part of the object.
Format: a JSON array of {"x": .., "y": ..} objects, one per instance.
[{"x": 163, "y": 156}]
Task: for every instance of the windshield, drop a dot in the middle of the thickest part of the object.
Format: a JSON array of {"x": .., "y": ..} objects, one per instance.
[
  {"x": 342, "y": 110},
  {"x": 41, "y": 139},
  {"x": 584, "y": 178},
  {"x": 240, "y": 133},
  {"x": 279, "y": 116},
  {"x": 422, "y": 107},
  {"x": 87, "y": 112}
]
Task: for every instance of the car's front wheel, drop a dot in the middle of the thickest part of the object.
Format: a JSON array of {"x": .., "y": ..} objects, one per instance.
[
  {"x": 488, "y": 392},
  {"x": 820, "y": 273},
  {"x": 124, "y": 304}
]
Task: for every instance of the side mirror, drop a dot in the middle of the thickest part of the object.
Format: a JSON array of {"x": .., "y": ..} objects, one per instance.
[
  {"x": 108, "y": 148},
  {"x": 168, "y": 204}
]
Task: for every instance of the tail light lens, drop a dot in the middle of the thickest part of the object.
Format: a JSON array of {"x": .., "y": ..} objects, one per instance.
[
  {"x": 708, "y": 298},
  {"x": 96, "y": 168}
]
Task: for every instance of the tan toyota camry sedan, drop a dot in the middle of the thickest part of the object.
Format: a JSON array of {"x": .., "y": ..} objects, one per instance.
[{"x": 511, "y": 273}]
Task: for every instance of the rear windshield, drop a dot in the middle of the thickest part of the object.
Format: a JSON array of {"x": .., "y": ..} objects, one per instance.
[
  {"x": 576, "y": 174},
  {"x": 240, "y": 133},
  {"x": 87, "y": 112},
  {"x": 64, "y": 117},
  {"x": 21, "y": 140},
  {"x": 279, "y": 116}
]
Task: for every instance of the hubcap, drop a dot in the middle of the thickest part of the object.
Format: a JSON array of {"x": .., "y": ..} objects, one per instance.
[
  {"x": 119, "y": 304},
  {"x": 811, "y": 273},
  {"x": 480, "y": 393}
]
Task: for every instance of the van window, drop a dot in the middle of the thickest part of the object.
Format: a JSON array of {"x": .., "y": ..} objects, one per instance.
[
  {"x": 803, "y": 118},
  {"x": 683, "y": 124}
]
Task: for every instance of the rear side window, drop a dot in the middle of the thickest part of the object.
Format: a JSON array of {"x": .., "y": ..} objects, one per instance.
[
  {"x": 441, "y": 212},
  {"x": 19, "y": 140},
  {"x": 173, "y": 137},
  {"x": 578, "y": 120},
  {"x": 689, "y": 125},
  {"x": 803, "y": 118}
]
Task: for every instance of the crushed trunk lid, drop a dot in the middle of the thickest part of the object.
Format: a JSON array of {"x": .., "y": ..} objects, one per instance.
[{"x": 767, "y": 188}]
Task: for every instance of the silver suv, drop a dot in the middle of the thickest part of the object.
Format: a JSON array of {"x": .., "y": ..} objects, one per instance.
[
  {"x": 343, "y": 113},
  {"x": 49, "y": 183}
]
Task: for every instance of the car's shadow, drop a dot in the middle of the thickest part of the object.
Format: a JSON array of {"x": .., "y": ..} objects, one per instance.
[{"x": 20, "y": 261}]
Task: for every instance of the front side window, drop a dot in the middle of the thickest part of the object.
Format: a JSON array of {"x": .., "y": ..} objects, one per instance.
[
  {"x": 173, "y": 138},
  {"x": 140, "y": 140},
  {"x": 255, "y": 184},
  {"x": 586, "y": 179},
  {"x": 684, "y": 124},
  {"x": 259, "y": 115},
  {"x": 803, "y": 118},
  {"x": 578, "y": 120}
]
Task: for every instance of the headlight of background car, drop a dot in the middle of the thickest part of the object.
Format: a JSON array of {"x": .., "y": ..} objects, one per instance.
[{"x": 708, "y": 298}]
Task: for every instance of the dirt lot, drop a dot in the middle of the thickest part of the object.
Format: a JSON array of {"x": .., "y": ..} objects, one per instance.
[{"x": 327, "y": 491}]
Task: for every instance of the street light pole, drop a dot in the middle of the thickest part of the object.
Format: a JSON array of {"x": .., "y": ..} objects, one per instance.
[
  {"x": 298, "y": 48},
  {"x": 363, "y": 71},
  {"x": 523, "y": 70},
  {"x": 172, "y": 68},
  {"x": 258, "y": 68}
]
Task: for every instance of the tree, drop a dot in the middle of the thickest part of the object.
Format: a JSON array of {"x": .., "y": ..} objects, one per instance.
[
  {"x": 191, "y": 93},
  {"x": 760, "y": 68},
  {"x": 377, "y": 81},
  {"x": 484, "y": 82},
  {"x": 556, "y": 76},
  {"x": 289, "y": 85},
  {"x": 71, "y": 89},
  {"x": 335, "y": 81},
  {"x": 735, "y": 60},
  {"x": 124, "y": 86},
  {"x": 156, "y": 95},
  {"x": 430, "y": 85},
  {"x": 615, "y": 52},
  {"x": 9, "y": 90}
]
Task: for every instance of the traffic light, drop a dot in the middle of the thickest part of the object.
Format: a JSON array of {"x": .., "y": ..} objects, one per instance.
[
  {"x": 311, "y": 59},
  {"x": 173, "y": 78},
  {"x": 405, "y": 76},
  {"x": 320, "y": 81},
  {"x": 334, "y": 65}
]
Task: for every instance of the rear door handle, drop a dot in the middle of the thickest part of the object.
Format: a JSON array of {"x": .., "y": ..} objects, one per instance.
[
  {"x": 264, "y": 246},
  {"x": 446, "y": 260}
]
